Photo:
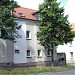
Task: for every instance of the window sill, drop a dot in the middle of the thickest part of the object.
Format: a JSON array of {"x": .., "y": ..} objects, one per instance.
[
  {"x": 29, "y": 57},
  {"x": 28, "y": 39},
  {"x": 70, "y": 46},
  {"x": 49, "y": 56},
  {"x": 39, "y": 57}
]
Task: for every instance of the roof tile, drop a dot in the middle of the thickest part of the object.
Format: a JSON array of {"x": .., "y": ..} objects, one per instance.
[{"x": 27, "y": 13}]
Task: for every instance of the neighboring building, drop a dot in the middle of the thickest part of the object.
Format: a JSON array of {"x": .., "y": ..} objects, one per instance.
[
  {"x": 68, "y": 49},
  {"x": 25, "y": 51}
]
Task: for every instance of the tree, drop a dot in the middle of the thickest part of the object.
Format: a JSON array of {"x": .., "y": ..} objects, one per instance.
[
  {"x": 9, "y": 28},
  {"x": 54, "y": 28}
]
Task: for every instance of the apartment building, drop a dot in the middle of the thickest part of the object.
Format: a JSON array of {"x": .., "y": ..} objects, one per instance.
[{"x": 26, "y": 51}]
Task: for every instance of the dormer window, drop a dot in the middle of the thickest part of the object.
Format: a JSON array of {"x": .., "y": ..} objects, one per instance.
[
  {"x": 38, "y": 16},
  {"x": 21, "y": 14}
]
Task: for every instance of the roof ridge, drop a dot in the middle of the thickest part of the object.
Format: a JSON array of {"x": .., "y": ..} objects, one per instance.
[{"x": 29, "y": 8}]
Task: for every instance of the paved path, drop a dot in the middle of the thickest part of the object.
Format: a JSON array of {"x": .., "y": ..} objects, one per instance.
[{"x": 71, "y": 72}]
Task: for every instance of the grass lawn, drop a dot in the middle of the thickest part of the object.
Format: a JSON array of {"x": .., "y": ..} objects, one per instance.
[{"x": 23, "y": 71}]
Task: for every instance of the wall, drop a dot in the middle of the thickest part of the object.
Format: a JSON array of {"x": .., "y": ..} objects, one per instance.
[
  {"x": 34, "y": 46},
  {"x": 7, "y": 48},
  {"x": 2, "y": 51},
  {"x": 6, "y": 51},
  {"x": 20, "y": 44},
  {"x": 67, "y": 48}
]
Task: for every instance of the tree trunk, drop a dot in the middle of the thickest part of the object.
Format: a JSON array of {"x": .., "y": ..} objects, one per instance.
[
  {"x": 52, "y": 52},
  {"x": 52, "y": 63}
]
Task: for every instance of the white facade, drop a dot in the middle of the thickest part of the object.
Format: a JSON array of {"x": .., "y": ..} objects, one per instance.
[
  {"x": 30, "y": 44},
  {"x": 20, "y": 44},
  {"x": 69, "y": 50}
]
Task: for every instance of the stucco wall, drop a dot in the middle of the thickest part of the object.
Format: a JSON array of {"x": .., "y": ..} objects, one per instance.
[
  {"x": 67, "y": 48},
  {"x": 7, "y": 48},
  {"x": 34, "y": 46},
  {"x": 6, "y": 51},
  {"x": 20, "y": 44}
]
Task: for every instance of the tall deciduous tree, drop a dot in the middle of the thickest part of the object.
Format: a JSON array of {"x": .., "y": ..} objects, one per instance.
[
  {"x": 8, "y": 26},
  {"x": 54, "y": 28}
]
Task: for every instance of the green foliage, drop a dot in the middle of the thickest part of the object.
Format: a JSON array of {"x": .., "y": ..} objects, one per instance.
[
  {"x": 54, "y": 28},
  {"x": 22, "y": 71},
  {"x": 8, "y": 26}
]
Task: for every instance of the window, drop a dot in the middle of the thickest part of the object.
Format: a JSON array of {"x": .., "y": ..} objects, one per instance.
[
  {"x": 28, "y": 53},
  {"x": 38, "y": 17},
  {"x": 28, "y": 34},
  {"x": 71, "y": 54},
  {"x": 39, "y": 53},
  {"x": 17, "y": 51},
  {"x": 48, "y": 53},
  {"x": 21, "y": 15},
  {"x": 71, "y": 43}
]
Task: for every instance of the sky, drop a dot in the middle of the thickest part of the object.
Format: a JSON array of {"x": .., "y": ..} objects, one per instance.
[
  {"x": 70, "y": 10},
  {"x": 69, "y": 6},
  {"x": 33, "y": 4}
]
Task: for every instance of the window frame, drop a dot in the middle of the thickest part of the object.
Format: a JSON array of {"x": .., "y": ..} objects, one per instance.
[
  {"x": 21, "y": 15},
  {"x": 49, "y": 53},
  {"x": 71, "y": 54},
  {"x": 39, "y": 54},
  {"x": 29, "y": 53},
  {"x": 28, "y": 34},
  {"x": 17, "y": 51}
]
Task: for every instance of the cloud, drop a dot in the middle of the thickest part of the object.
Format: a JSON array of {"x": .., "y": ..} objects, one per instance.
[
  {"x": 33, "y": 4},
  {"x": 70, "y": 10}
]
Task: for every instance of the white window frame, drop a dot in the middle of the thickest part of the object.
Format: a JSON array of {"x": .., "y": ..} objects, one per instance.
[
  {"x": 71, "y": 53},
  {"x": 49, "y": 53},
  {"x": 29, "y": 53},
  {"x": 39, "y": 54},
  {"x": 28, "y": 38}
]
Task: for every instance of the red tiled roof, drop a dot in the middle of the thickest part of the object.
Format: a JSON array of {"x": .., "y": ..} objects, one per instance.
[
  {"x": 27, "y": 13},
  {"x": 73, "y": 26}
]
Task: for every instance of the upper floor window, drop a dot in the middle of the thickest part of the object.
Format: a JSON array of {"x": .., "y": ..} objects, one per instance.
[{"x": 28, "y": 34}]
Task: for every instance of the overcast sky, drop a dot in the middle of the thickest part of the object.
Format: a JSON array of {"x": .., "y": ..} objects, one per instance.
[{"x": 69, "y": 6}]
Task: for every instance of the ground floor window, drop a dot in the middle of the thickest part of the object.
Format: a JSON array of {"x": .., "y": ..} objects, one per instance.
[
  {"x": 71, "y": 53},
  {"x": 48, "y": 53},
  {"x": 39, "y": 53},
  {"x": 28, "y": 53}
]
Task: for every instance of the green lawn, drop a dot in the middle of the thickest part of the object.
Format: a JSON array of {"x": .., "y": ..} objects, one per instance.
[{"x": 23, "y": 71}]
